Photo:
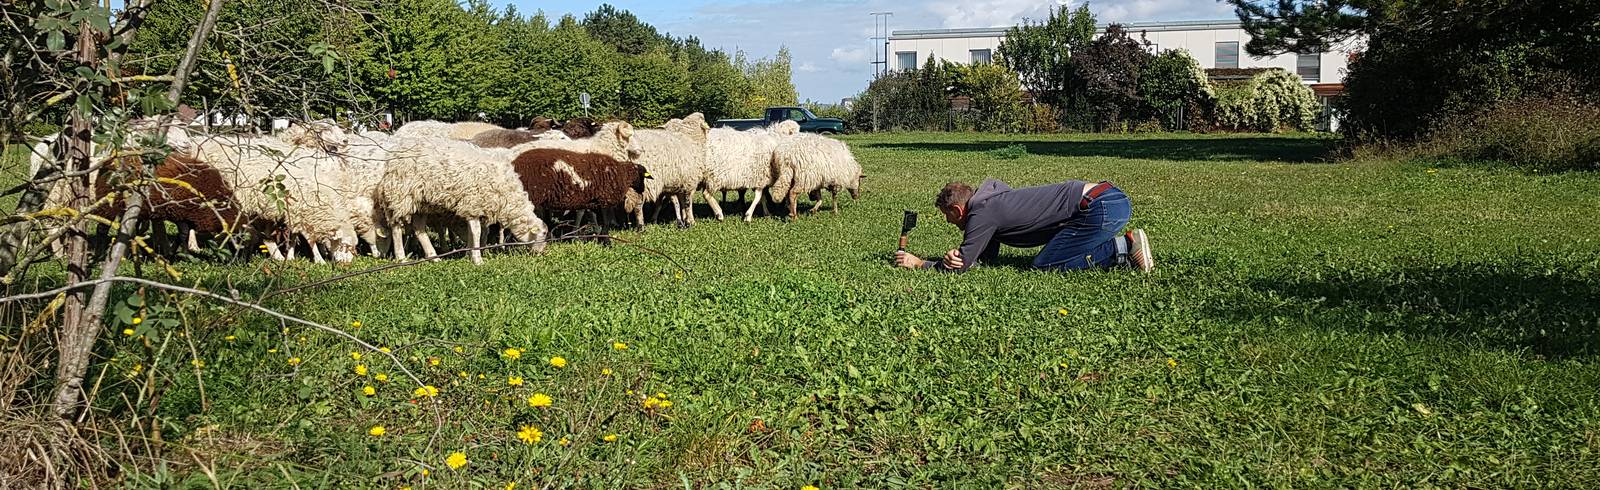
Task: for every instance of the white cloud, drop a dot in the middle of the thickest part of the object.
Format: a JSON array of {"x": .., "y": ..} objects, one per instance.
[
  {"x": 808, "y": 67},
  {"x": 987, "y": 13},
  {"x": 841, "y": 55}
]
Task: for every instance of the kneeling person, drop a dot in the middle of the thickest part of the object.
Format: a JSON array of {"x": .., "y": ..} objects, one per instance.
[{"x": 1078, "y": 223}]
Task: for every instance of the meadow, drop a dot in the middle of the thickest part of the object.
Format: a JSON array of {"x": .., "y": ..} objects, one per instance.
[{"x": 1311, "y": 323}]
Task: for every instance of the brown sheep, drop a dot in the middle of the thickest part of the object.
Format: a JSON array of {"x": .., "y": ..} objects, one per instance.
[
  {"x": 580, "y": 127},
  {"x": 568, "y": 180},
  {"x": 504, "y": 138},
  {"x": 541, "y": 124},
  {"x": 205, "y": 203}
]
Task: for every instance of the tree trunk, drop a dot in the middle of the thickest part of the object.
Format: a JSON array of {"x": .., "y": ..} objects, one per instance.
[
  {"x": 77, "y": 332},
  {"x": 81, "y": 322}
]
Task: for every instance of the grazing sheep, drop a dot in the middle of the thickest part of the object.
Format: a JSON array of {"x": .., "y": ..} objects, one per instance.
[
  {"x": 808, "y": 163},
  {"x": 279, "y": 185},
  {"x": 568, "y": 180},
  {"x": 446, "y": 177},
  {"x": 613, "y": 139},
  {"x": 676, "y": 159},
  {"x": 365, "y": 159},
  {"x": 188, "y": 192},
  {"x": 742, "y": 160}
]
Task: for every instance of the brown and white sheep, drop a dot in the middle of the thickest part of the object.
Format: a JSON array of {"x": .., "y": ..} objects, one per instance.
[{"x": 565, "y": 180}]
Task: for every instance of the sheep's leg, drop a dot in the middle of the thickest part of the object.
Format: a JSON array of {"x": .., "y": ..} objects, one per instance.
[
  {"x": 273, "y": 250},
  {"x": 316, "y": 252},
  {"x": 741, "y": 195},
  {"x": 750, "y": 210},
  {"x": 419, "y": 228},
  {"x": 764, "y": 210},
  {"x": 371, "y": 236},
  {"x": 502, "y": 234},
  {"x": 835, "y": 201},
  {"x": 474, "y": 231},
  {"x": 724, "y": 195},
  {"x": 677, "y": 210},
  {"x": 656, "y": 217},
  {"x": 397, "y": 235},
  {"x": 186, "y": 233},
  {"x": 638, "y": 216},
  {"x": 289, "y": 244},
  {"x": 158, "y": 237},
  {"x": 794, "y": 201},
  {"x": 716, "y": 209}
]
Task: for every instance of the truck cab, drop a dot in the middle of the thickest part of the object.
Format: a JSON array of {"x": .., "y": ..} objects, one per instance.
[{"x": 808, "y": 122}]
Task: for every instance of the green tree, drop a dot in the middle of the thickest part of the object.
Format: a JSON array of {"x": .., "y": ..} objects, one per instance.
[
  {"x": 1106, "y": 72},
  {"x": 439, "y": 60},
  {"x": 1041, "y": 53},
  {"x": 716, "y": 86},
  {"x": 654, "y": 88},
  {"x": 996, "y": 96},
  {"x": 623, "y": 30},
  {"x": 769, "y": 81}
]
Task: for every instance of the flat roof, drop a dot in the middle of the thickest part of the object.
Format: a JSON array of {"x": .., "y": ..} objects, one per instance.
[{"x": 1174, "y": 25}]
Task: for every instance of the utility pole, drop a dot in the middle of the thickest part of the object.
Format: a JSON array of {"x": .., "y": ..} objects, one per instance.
[{"x": 880, "y": 55}]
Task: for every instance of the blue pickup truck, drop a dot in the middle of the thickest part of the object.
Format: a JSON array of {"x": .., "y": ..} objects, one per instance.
[{"x": 809, "y": 122}]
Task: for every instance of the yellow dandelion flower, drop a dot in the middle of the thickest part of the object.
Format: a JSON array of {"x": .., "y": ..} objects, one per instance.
[
  {"x": 459, "y": 350},
  {"x": 605, "y": 372},
  {"x": 302, "y": 339},
  {"x": 355, "y": 324},
  {"x": 530, "y": 434},
  {"x": 512, "y": 353},
  {"x": 272, "y": 350},
  {"x": 514, "y": 381},
  {"x": 384, "y": 350},
  {"x": 539, "y": 400},
  {"x": 355, "y": 355},
  {"x": 619, "y": 346},
  {"x": 810, "y": 487},
  {"x": 666, "y": 403},
  {"x": 433, "y": 361},
  {"x": 650, "y": 402},
  {"x": 559, "y": 362},
  {"x": 377, "y": 431},
  {"x": 609, "y": 438},
  {"x": 294, "y": 361},
  {"x": 198, "y": 363},
  {"x": 424, "y": 472},
  {"x": 369, "y": 391},
  {"x": 382, "y": 378},
  {"x": 456, "y": 460},
  {"x": 1062, "y": 311},
  {"x": 511, "y": 486},
  {"x": 229, "y": 338},
  {"x": 1172, "y": 362},
  {"x": 660, "y": 395},
  {"x": 127, "y": 331},
  {"x": 425, "y": 391},
  {"x": 480, "y": 376},
  {"x": 361, "y": 369},
  {"x": 564, "y": 441},
  {"x": 137, "y": 320},
  {"x": 463, "y": 374}
]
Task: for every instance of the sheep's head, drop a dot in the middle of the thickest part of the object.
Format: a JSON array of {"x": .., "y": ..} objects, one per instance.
[
  {"x": 786, "y": 128},
  {"x": 580, "y": 127},
  {"x": 639, "y": 174},
  {"x": 693, "y": 126},
  {"x": 618, "y": 138},
  {"x": 324, "y": 135},
  {"x": 541, "y": 124}
]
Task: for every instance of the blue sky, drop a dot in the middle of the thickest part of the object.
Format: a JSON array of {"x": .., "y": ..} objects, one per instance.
[{"x": 828, "y": 38}]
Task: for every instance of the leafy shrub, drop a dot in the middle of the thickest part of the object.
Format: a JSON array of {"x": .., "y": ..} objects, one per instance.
[
  {"x": 1554, "y": 133},
  {"x": 996, "y": 96},
  {"x": 1173, "y": 84},
  {"x": 1273, "y": 100},
  {"x": 1043, "y": 118},
  {"x": 1107, "y": 74}
]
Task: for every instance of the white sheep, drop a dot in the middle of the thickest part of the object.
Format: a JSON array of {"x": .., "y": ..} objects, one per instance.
[
  {"x": 809, "y": 163},
  {"x": 742, "y": 160},
  {"x": 436, "y": 176},
  {"x": 436, "y": 129},
  {"x": 676, "y": 159},
  {"x": 277, "y": 183}
]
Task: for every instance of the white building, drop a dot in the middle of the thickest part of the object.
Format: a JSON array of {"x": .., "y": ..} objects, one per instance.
[{"x": 1213, "y": 43}]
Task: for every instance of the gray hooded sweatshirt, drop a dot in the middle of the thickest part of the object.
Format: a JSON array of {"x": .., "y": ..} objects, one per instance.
[{"x": 1026, "y": 217}]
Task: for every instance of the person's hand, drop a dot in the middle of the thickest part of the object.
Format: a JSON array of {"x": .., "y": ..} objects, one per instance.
[
  {"x": 906, "y": 260},
  {"x": 952, "y": 259}
]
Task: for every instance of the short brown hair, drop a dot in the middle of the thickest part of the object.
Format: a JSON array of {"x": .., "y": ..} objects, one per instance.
[{"x": 953, "y": 193}]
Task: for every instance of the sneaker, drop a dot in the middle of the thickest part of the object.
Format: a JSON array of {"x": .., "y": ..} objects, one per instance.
[{"x": 1140, "y": 257}]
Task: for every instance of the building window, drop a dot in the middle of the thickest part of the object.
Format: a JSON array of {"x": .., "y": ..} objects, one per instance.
[
  {"x": 1227, "y": 55},
  {"x": 906, "y": 60},
  {"x": 980, "y": 56},
  {"x": 1309, "y": 66}
]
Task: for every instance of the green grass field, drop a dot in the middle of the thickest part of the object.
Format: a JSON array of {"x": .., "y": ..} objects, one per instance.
[{"x": 1311, "y": 324}]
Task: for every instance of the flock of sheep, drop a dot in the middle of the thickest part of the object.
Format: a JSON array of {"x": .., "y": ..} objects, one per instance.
[{"x": 336, "y": 190}]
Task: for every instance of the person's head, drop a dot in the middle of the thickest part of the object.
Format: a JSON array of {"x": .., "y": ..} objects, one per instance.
[{"x": 952, "y": 202}]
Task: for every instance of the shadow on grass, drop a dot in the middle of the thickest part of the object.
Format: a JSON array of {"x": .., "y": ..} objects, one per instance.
[
  {"x": 1500, "y": 306},
  {"x": 1290, "y": 150}
]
